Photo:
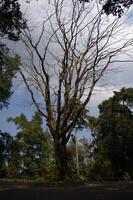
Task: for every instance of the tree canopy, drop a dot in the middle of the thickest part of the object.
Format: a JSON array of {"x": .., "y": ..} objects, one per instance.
[
  {"x": 113, "y": 135},
  {"x": 11, "y": 23},
  {"x": 11, "y": 20},
  {"x": 109, "y": 156},
  {"x": 8, "y": 67},
  {"x": 116, "y": 7},
  {"x": 34, "y": 147}
]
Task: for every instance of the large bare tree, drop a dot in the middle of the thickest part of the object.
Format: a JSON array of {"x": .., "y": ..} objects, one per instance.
[{"x": 75, "y": 47}]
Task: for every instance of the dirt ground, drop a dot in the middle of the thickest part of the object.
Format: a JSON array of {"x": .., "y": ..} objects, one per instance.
[{"x": 108, "y": 191}]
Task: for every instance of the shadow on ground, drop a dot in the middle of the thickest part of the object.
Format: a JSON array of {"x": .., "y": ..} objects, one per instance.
[{"x": 111, "y": 191}]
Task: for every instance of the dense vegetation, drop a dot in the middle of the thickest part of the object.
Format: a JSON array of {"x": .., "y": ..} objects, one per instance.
[
  {"x": 113, "y": 137},
  {"x": 108, "y": 156}
]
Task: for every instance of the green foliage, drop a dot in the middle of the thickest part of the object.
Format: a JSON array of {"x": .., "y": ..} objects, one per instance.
[
  {"x": 5, "y": 152},
  {"x": 33, "y": 152},
  {"x": 114, "y": 7},
  {"x": 84, "y": 153},
  {"x": 100, "y": 169},
  {"x": 8, "y": 68},
  {"x": 110, "y": 154},
  {"x": 11, "y": 23},
  {"x": 13, "y": 161},
  {"x": 113, "y": 135},
  {"x": 11, "y": 20},
  {"x": 108, "y": 157}
]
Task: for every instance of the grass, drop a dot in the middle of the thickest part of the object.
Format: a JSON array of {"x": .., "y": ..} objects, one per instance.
[{"x": 41, "y": 182}]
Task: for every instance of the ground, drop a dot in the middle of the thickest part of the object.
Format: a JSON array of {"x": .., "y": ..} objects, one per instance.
[{"x": 106, "y": 191}]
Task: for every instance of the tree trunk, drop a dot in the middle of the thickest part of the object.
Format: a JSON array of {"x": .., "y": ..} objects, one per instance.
[{"x": 61, "y": 160}]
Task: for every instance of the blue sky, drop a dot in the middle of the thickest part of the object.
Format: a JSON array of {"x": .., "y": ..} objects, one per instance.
[{"x": 17, "y": 105}]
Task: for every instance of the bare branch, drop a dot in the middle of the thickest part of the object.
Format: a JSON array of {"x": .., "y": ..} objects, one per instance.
[{"x": 74, "y": 49}]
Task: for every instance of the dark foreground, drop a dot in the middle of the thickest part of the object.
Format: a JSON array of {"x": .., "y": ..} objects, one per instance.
[{"x": 112, "y": 191}]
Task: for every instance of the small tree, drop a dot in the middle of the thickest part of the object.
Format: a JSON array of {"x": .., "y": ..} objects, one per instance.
[{"x": 75, "y": 47}]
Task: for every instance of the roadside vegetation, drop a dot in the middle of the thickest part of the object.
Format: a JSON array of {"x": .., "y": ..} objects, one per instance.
[{"x": 107, "y": 157}]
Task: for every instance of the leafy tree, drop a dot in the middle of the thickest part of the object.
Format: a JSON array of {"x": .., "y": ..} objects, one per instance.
[
  {"x": 11, "y": 23},
  {"x": 8, "y": 68},
  {"x": 9, "y": 156},
  {"x": 11, "y": 19},
  {"x": 115, "y": 7},
  {"x": 5, "y": 152},
  {"x": 14, "y": 161},
  {"x": 35, "y": 149},
  {"x": 114, "y": 133}
]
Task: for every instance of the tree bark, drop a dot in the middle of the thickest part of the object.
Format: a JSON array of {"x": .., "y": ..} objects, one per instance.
[{"x": 61, "y": 157}]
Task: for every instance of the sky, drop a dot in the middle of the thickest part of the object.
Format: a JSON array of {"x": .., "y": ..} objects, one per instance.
[{"x": 20, "y": 101}]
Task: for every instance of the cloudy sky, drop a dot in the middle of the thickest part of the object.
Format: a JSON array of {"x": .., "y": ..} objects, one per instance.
[{"x": 20, "y": 100}]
